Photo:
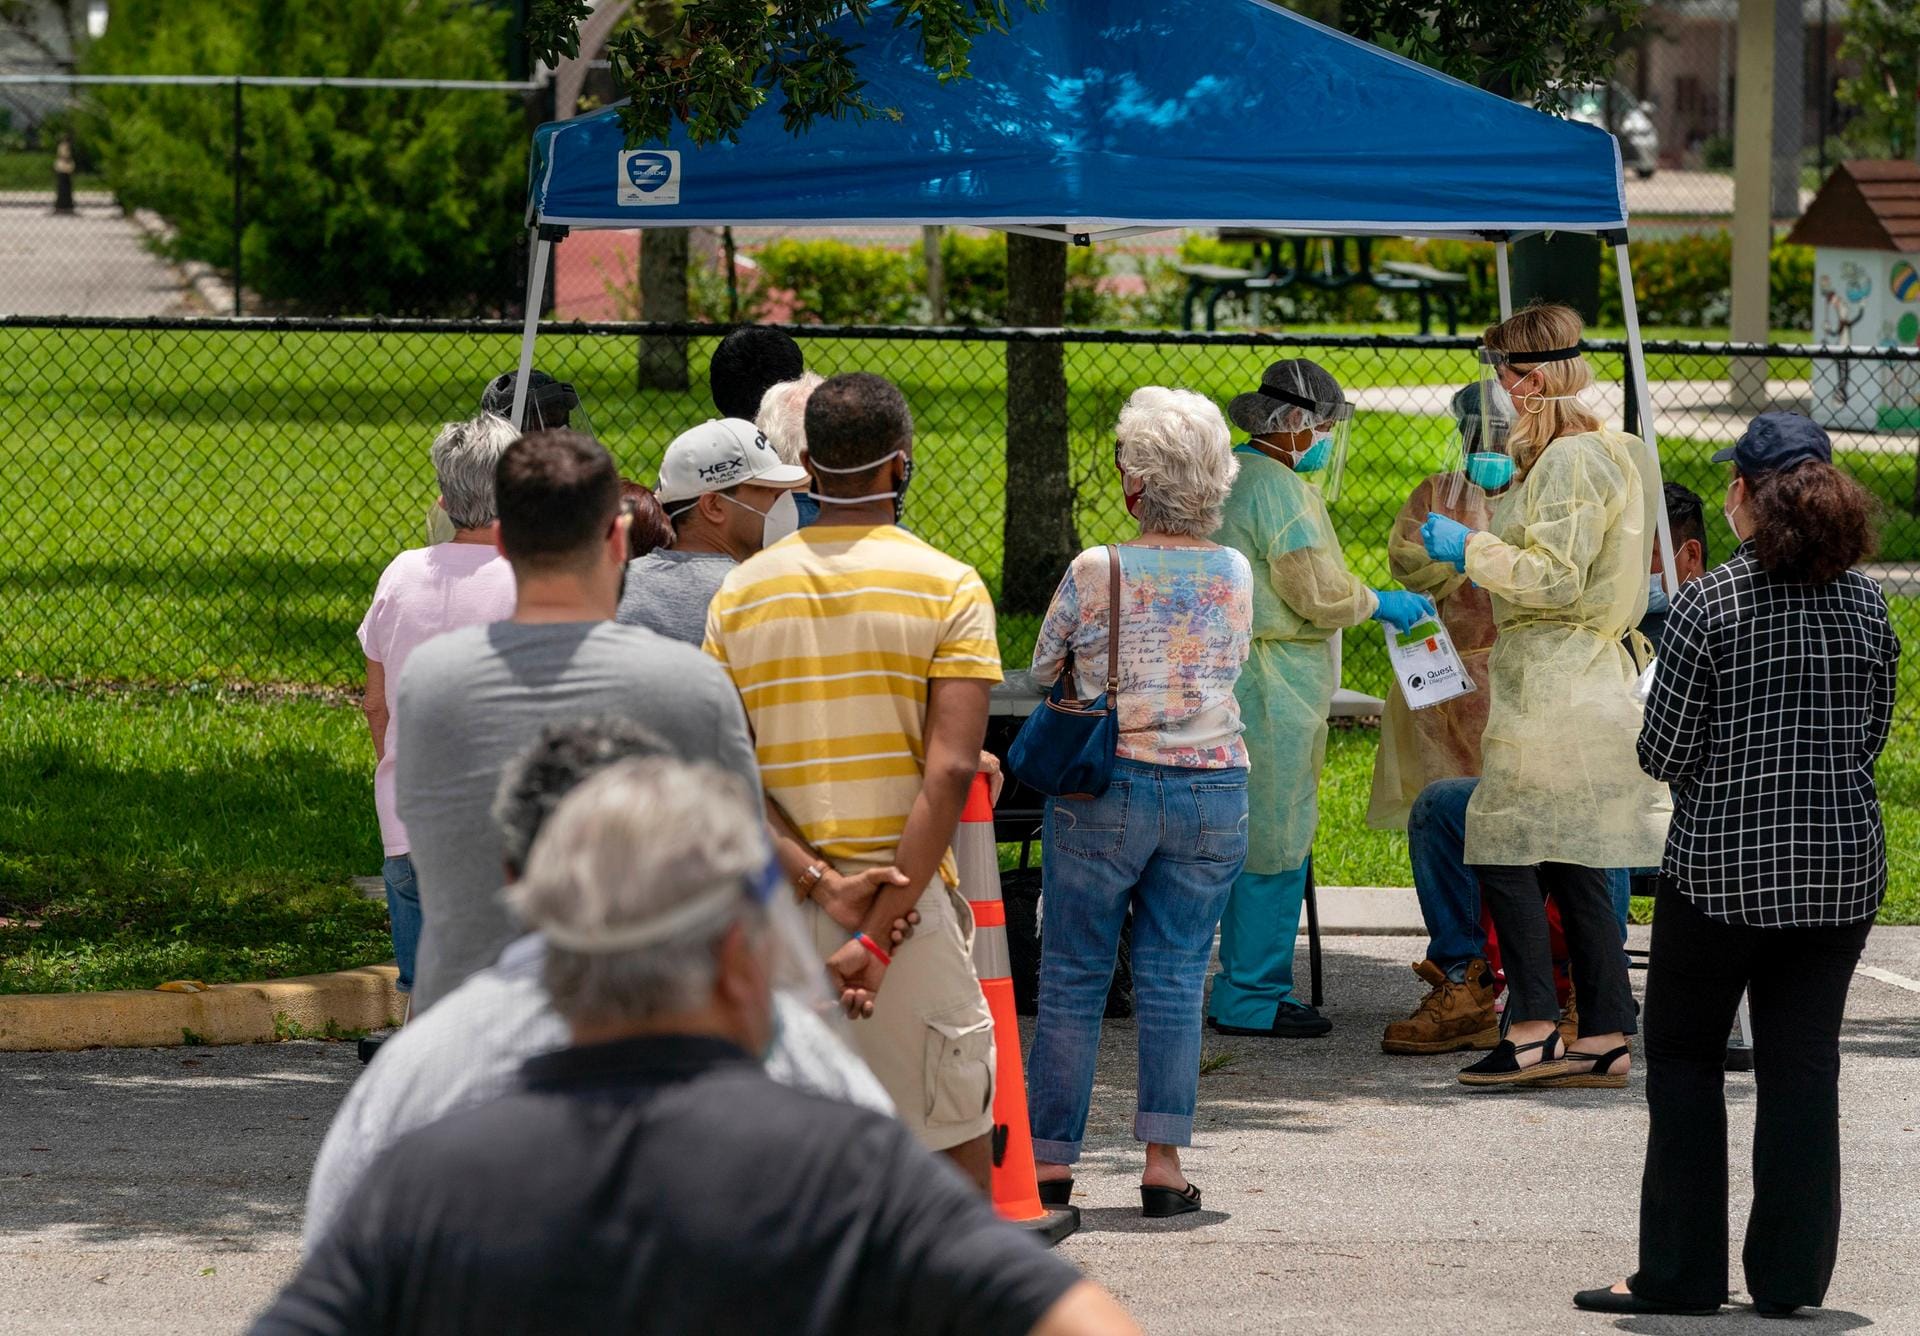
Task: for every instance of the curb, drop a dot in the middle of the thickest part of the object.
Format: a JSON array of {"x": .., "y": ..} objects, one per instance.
[
  {"x": 312, "y": 1006},
  {"x": 1367, "y": 911}
]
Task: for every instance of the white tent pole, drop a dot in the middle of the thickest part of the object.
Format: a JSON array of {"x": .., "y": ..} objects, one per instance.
[
  {"x": 1505, "y": 278},
  {"x": 530, "y": 328},
  {"x": 1643, "y": 394}
]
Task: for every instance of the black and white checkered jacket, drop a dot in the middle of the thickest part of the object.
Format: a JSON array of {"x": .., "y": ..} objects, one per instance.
[{"x": 1771, "y": 701}]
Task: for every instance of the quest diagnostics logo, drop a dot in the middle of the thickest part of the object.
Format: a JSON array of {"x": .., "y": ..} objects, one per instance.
[{"x": 649, "y": 176}]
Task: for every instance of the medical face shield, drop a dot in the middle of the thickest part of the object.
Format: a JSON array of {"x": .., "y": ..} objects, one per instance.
[
  {"x": 1297, "y": 397},
  {"x": 550, "y": 403},
  {"x": 1511, "y": 386},
  {"x": 1479, "y": 456},
  {"x": 793, "y": 967}
]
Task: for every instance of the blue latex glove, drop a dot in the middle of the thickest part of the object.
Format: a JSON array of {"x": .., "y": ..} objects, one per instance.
[
  {"x": 1401, "y": 610},
  {"x": 1446, "y": 539}
]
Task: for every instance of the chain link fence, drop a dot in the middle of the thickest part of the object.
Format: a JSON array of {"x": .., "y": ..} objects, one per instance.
[{"x": 214, "y": 500}]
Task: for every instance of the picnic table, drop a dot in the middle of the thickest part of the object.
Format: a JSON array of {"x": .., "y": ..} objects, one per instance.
[{"x": 1284, "y": 259}]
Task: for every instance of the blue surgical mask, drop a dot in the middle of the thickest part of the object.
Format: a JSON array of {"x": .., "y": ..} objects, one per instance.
[
  {"x": 1657, "y": 601},
  {"x": 1489, "y": 471},
  {"x": 1315, "y": 458}
]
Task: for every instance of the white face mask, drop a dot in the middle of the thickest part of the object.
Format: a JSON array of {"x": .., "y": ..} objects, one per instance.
[
  {"x": 899, "y": 498},
  {"x": 776, "y": 521}
]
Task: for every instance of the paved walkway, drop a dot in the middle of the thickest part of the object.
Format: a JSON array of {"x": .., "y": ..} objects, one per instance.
[
  {"x": 92, "y": 262},
  {"x": 160, "y": 1190}
]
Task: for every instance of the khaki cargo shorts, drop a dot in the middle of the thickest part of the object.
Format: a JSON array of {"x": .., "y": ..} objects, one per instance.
[{"x": 930, "y": 1038}]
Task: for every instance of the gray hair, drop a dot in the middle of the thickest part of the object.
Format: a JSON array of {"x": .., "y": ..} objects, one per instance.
[
  {"x": 560, "y": 759},
  {"x": 1175, "y": 444},
  {"x": 634, "y": 881},
  {"x": 465, "y": 455},
  {"x": 782, "y": 418}
]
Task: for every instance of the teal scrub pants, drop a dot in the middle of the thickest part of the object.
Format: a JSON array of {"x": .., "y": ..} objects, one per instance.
[{"x": 1257, "y": 935}]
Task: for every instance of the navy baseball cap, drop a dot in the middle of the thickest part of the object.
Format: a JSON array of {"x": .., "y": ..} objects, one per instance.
[{"x": 1777, "y": 441}]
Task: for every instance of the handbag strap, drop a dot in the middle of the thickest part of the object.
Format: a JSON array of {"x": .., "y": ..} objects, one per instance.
[{"x": 1113, "y": 625}]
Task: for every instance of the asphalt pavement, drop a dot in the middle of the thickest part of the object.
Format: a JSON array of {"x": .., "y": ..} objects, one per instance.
[{"x": 160, "y": 1190}]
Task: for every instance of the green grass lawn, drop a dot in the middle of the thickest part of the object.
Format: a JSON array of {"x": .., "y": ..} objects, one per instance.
[{"x": 148, "y": 836}]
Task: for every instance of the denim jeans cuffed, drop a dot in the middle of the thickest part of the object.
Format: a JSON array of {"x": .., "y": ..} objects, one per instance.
[{"x": 1166, "y": 842}]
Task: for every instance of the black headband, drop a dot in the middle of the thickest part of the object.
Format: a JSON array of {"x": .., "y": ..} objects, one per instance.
[{"x": 1550, "y": 355}]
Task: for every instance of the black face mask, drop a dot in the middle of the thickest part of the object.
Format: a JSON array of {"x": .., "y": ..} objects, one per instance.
[{"x": 906, "y": 478}]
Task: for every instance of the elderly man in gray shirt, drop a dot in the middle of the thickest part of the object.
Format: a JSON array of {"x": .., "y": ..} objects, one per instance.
[
  {"x": 728, "y": 494},
  {"x": 471, "y": 700}
]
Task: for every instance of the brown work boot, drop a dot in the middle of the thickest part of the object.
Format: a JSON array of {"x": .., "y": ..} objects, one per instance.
[{"x": 1453, "y": 1017}]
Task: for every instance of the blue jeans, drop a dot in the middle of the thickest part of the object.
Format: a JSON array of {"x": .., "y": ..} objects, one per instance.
[
  {"x": 1449, "y": 893},
  {"x": 1167, "y": 842},
  {"x": 403, "y": 914}
]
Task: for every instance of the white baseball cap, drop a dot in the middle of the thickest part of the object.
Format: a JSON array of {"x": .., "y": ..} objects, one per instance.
[{"x": 718, "y": 454}]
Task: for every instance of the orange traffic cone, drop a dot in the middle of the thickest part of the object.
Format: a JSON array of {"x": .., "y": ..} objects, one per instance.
[{"x": 1016, "y": 1193}]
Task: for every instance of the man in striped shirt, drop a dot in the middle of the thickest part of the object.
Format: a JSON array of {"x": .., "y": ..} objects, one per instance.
[{"x": 864, "y": 658}]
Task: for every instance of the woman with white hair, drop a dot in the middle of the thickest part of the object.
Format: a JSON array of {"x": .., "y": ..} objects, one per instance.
[
  {"x": 782, "y": 419},
  {"x": 1304, "y": 595},
  {"x": 1167, "y": 836},
  {"x": 425, "y": 592}
]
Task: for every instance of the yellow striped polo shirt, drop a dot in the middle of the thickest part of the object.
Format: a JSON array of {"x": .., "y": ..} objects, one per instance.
[{"x": 832, "y": 635}]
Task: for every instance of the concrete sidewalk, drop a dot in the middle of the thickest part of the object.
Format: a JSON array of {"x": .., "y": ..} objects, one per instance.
[{"x": 160, "y": 1190}]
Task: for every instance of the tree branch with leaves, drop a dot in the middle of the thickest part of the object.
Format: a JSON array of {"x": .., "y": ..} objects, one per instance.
[{"x": 710, "y": 64}]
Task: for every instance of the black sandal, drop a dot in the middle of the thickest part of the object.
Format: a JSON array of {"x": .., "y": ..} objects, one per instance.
[
  {"x": 1609, "y": 1300},
  {"x": 1159, "y": 1203},
  {"x": 1057, "y": 1191},
  {"x": 1599, "y": 1074},
  {"x": 1502, "y": 1066}
]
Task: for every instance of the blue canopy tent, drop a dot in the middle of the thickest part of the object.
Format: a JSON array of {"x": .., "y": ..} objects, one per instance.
[{"x": 1099, "y": 119}]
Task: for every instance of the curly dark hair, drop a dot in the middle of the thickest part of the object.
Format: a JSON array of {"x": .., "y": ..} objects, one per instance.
[
  {"x": 553, "y": 765},
  {"x": 1811, "y": 523}
]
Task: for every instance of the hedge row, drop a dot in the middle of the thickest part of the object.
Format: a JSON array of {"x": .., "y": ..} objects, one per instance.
[{"x": 1680, "y": 282}]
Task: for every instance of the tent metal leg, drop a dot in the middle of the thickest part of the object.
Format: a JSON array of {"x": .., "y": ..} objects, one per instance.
[
  {"x": 1504, "y": 276},
  {"x": 1643, "y": 394},
  {"x": 530, "y": 327}
]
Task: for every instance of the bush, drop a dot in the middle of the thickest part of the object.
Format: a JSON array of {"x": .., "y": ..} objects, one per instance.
[
  {"x": 358, "y": 201},
  {"x": 976, "y": 269},
  {"x": 1686, "y": 281},
  {"x": 835, "y": 283}
]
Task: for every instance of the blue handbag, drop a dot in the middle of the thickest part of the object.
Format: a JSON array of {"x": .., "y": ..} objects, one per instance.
[{"x": 1065, "y": 749}]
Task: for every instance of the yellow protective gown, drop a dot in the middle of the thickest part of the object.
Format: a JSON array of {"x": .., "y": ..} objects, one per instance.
[
  {"x": 1302, "y": 594},
  {"x": 1566, "y": 562},
  {"x": 1442, "y": 741}
]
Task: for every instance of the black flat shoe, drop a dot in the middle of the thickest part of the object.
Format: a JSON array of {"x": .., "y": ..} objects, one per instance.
[
  {"x": 1502, "y": 1066},
  {"x": 1607, "y": 1300},
  {"x": 1159, "y": 1203},
  {"x": 1057, "y": 1192},
  {"x": 1768, "y": 1308},
  {"x": 1598, "y": 1074},
  {"x": 1291, "y": 1020}
]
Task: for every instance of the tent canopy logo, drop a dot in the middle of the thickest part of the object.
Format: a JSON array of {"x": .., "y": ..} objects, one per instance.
[{"x": 649, "y": 176}]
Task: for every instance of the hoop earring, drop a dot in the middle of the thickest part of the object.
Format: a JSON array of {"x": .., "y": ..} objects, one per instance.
[{"x": 1531, "y": 403}]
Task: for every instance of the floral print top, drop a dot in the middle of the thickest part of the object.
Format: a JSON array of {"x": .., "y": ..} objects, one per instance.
[{"x": 1186, "y": 620}]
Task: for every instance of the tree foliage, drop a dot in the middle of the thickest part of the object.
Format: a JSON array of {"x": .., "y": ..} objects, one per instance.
[
  {"x": 710, "y": 64},
  {"x": 1883, "y": 42},
  {"x": 1538, "y": 51},
  {"x": 357, "y": 201}
]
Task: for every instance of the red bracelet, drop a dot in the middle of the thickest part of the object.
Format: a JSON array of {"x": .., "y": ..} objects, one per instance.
[{"x": 873, "y": 948}]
